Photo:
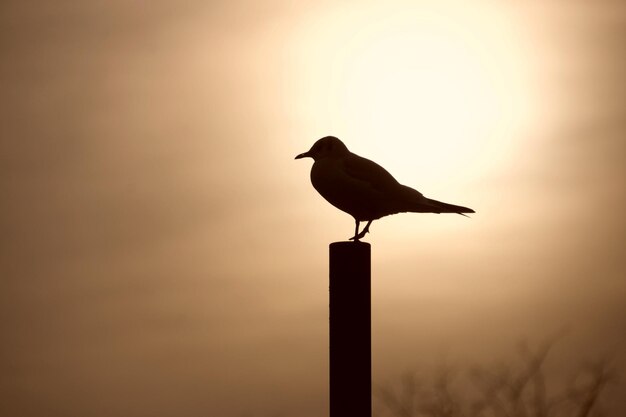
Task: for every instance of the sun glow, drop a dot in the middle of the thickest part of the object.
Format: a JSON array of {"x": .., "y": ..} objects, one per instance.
[{"x": 449, "y": 91}]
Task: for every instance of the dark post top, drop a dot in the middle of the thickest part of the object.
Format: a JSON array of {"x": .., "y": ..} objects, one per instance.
[{"x": 351, "y": 248}]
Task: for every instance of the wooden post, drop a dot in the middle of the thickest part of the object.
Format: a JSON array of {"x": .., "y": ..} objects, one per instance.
[{"x": 350, "y": 330}]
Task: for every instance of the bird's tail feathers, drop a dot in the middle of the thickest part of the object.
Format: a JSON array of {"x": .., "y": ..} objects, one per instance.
[{"x": 434, "y": 206}]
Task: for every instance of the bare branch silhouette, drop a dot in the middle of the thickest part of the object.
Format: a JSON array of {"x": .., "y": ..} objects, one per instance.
[{"x": 500, "y": 391}]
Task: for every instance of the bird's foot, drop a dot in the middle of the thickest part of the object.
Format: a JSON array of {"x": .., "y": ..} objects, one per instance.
[{"x": 361, "y": 235}]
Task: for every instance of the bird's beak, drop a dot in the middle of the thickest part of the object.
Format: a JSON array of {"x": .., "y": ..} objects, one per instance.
[{"x": 303, "y": 155}]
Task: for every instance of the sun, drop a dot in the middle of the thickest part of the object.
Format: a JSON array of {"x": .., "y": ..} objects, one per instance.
[{"x": 430, "y": 90}]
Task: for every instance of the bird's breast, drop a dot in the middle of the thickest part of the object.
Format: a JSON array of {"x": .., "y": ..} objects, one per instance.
[{"x": 352, "y": 195}]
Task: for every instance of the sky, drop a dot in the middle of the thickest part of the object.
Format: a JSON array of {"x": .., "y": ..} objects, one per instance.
[{"x": 162, "y": 254}]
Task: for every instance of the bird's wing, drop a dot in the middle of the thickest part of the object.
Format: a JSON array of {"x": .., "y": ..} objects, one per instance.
[{"x": 369, "y": 172}]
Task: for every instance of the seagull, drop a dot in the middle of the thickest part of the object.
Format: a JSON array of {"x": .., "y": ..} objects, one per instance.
[{"x": 364, "y": 189}]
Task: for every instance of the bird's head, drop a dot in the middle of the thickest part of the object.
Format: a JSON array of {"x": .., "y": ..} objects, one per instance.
[{"x": 328, "y": 146}]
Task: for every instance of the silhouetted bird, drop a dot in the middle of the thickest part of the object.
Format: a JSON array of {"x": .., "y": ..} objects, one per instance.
[{"x": 364, "y": 189}]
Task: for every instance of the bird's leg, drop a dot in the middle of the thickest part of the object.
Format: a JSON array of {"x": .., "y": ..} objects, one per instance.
[
  {"x": 359, "y": 236},
  {"x": 356, "y": 231},
  {"x": 366, "y": 229}
]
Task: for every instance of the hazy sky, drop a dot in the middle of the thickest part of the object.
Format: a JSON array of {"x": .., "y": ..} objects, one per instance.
[{"x": 162, "y": 254}]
